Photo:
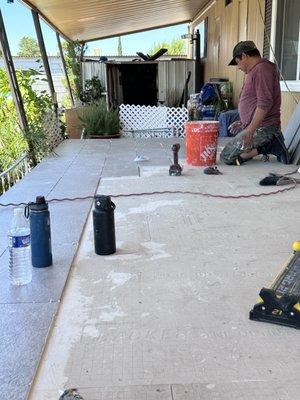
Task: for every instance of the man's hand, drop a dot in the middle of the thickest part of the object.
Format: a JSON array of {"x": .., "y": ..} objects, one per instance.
[
  {"x": 248, "y": 140},
  {"x": 235, "y": 127}
]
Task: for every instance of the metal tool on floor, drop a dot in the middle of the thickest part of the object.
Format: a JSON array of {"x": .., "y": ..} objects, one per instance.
[
  {"x": 212, "y": 171},
  {"x": 280, "y": 304},
  {"x": 175, "y": 168},
  {"x": 275, "y": 179}
]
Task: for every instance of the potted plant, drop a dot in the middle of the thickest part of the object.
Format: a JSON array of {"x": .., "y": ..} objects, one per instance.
[{"x": 99, "y": 122}]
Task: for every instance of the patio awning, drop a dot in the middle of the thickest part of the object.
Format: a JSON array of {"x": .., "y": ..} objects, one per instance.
[{"x": 90, "y": 19}]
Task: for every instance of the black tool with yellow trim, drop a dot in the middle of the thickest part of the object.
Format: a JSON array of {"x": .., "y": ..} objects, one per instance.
[{"x": 280, "y": 304}]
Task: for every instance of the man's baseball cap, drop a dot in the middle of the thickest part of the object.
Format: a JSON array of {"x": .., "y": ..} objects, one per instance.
[{"x": 240, "y": 48}]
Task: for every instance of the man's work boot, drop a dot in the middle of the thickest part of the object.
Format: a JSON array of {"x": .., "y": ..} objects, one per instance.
[{"x": 277, "y": 148}]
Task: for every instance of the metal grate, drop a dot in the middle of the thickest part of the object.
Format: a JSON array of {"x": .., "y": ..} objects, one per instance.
[
  {"x": 14, "y": 173},
  {"x": 152, "y": 121}
]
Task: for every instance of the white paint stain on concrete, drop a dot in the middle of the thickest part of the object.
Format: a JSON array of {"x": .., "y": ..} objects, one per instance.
[
  {"x": 152, "y": 206},
  {"x": 211, "y": 386},
  {"x": 119, "y": 216},
  {"x": 118, "y": 278},
  {"x": 97, "y": 281},
  {"x": 90, "y": 331},
  {"x": 110, "y": 312},
  {"x": 123, "y": 257},
  {"x": 156, "y": 249},
  {"x": 151, "y": 171}
]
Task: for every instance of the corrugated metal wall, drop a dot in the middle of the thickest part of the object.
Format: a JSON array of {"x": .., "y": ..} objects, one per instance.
[{"x": 171, "y": 77}]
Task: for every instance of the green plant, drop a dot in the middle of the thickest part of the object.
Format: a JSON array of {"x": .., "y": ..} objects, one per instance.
[
  {"x": 73, "y": 52},
  {"x": 97, "y": 120},
  {"x": 35, "y": 105},
  {"x": 38, "y": 143},
  {"x": 92, "y": 91},
  {"x": 12, "y": 144}
]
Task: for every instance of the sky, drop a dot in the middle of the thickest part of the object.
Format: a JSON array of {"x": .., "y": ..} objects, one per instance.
[{"x": 18, "y": 23}]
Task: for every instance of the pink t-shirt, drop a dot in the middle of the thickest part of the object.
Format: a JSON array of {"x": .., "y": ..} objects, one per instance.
[{"x": 261, "y": 89}]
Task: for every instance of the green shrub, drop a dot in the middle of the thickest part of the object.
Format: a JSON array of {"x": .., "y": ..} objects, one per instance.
[
  {"x": 73, "y": 52},
  {"x": 35, "y": 106},
  {"x": 12, "y": 144},
  {"x": 97, "y": 120}
]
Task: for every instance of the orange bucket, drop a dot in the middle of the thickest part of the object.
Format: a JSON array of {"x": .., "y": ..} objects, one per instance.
[{"x": 201, "y": 139}]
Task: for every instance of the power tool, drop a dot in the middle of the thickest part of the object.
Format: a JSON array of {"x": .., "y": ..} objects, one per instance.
[
  {"x": 175, "y": 168},
  {"x": 280, "y": 304}
]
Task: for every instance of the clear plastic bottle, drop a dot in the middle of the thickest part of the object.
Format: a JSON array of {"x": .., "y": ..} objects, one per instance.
[{"x": 20, "y": 268}]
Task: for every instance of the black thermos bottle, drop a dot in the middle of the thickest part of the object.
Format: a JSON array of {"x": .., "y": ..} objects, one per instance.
[{"x": 104, "y": 225}]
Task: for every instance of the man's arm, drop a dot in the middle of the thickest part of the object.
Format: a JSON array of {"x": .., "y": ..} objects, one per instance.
[{"x": 258, "y": 117}]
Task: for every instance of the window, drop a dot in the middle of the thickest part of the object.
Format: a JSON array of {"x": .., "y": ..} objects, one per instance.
[
  {"x": 227, "y": 2},
  {"x": 287, "y": 38}
]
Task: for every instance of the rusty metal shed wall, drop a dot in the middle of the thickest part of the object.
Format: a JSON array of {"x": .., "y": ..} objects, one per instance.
[{"x": 90, "y": 20}]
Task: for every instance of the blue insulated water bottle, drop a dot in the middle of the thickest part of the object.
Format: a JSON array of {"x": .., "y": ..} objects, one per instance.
[
  {"x": 104, "y": 226},
  {"x": 41, "y": 254}
]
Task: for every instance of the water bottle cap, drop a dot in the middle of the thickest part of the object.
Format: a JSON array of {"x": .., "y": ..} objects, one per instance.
[
  {"x": 40, "y": 200},
  {"x": 39, "y": 205},
  {"x": 102, "y": 202}
]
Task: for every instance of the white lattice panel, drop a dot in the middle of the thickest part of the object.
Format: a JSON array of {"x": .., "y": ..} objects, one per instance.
[
  {"x": 147, "y": 121},
  {"x": 52, "y": 127}
]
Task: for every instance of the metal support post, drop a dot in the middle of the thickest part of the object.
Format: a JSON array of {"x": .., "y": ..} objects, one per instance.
[
  {"x": 65, "y": 68},
  {"x": 198, "y": 66},
  {"x": 10, "y": 69},
  {"x": 41, "y": 42}
]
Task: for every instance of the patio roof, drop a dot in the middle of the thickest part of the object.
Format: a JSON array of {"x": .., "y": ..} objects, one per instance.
[{"x": 90, "y": 20}]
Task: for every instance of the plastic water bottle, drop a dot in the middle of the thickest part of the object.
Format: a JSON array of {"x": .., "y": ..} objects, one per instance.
[{"x": 20, "y": 269}]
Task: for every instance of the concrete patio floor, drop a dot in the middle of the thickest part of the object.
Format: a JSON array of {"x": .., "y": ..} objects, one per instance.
[{"x": 166, "y": 317}]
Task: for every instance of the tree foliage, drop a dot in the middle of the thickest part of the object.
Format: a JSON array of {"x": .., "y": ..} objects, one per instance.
[
  {"x": 175, "y": 47},
  {"x": 13, "y": 141},
  {"x": 73, "y": 52},
  {"x": 28, "y": 47}
]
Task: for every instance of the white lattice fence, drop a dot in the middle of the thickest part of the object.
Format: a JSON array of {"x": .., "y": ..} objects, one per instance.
[
  {"x": 147, "y": 121},
  {"x": 52, "y": 128}
]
